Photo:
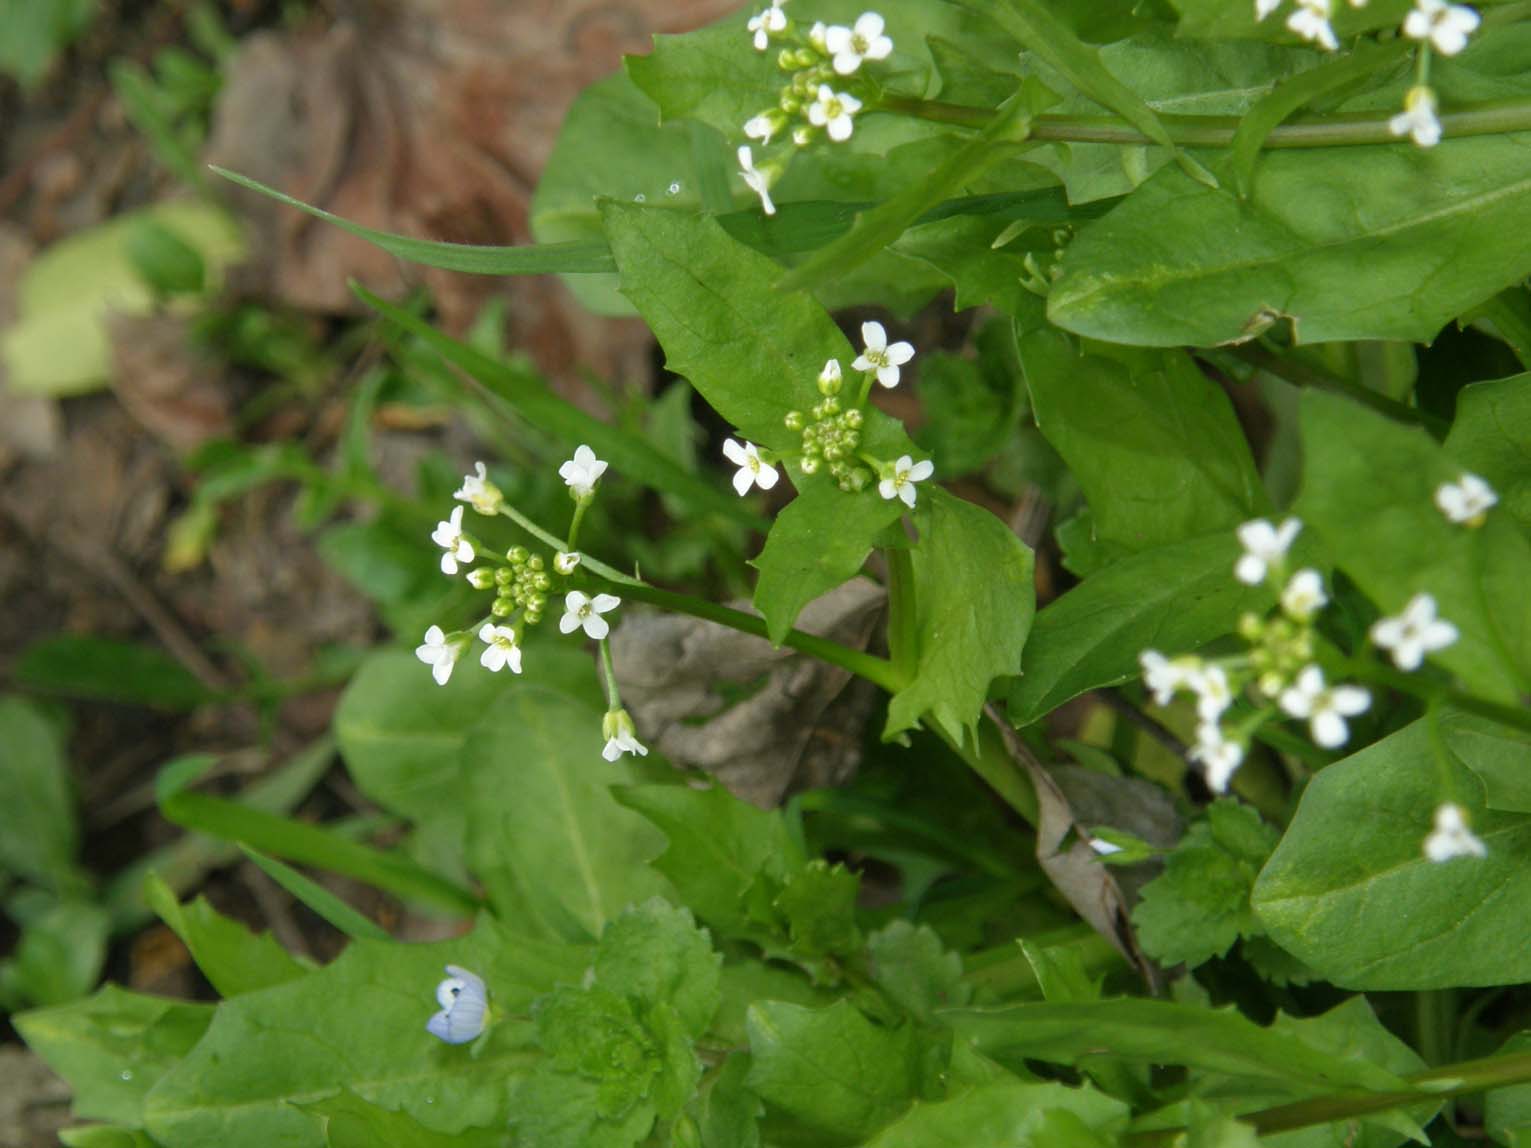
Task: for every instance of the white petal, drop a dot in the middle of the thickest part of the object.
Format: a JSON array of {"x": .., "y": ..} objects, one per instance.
[
  {"x": 597, "y": 627},
  {"x": 874, "y": 336},
  {"x": 921, "y": 470},
  {"x": 887, "y": 489},
  {"x": 435, "y": 636},
  {"x": 442, "y": 670},
  {"x": 903, "y": 463},
  {"x": 568, "y": 623},
  {"x": 869, "y": 25},
  {"x": 818, "y": 115},
  {"x": 1350, "y": 700},
  {"x": 766, "y": 477},
  {"x": 735, "y": 452},
  {"x": 448, "y": 563},
  {"x": 1250, "y": 570},
  {"x": 604, "y": 603},
  {"x": 861, "y": 363},
  {"x": 907, "y": 493},
  {"x": 744, "y": 478},
  {"x": 1328, "y": 729},
  {"x": 575, "y": 601},
  {"x": 888, "y": 376},
  {"x": 837, "y": 38},
  {"x": 846, "y": 63},
  {"x": 492, "y": 659},
  {"x": 900, "y": 353},
  {"x": 850, "y": 103}
]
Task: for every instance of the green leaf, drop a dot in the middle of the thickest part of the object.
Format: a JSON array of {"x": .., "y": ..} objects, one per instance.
[
  {"x": 103, "y": 669},
  {"x": 1496, "y": 753},
  {"x": 1174, "y": 598},
  {"x": 559, "y": 1110},
  {"x": 112, "y": 1047},
  {"x": 103, "y": 1136},
  {"x": 540, "y": 803},
  {"x": 359, "y": 1024},
  {"x": 595, "y": 1033},
  {"x": 36, "y": 31},
  {"x": 232, "y": 958},
  {"x": 1153, "y": 442},
  {"x": 1491, "y": 437},
  {"x": 1006, "y": 1114},
  {"x": 918, "y": 972},
  {"x": 351, "y": 1122},
  {"x": 717, "y": 848},
  {"x": 1179, "y": 263},
  {"x": 655, "y": 954},
  {"x": 712, "y": 75},
  {"x": 38, "y": 834},
  {"x": 726, "y": 1113},
  {"x": 1160, "y": 1032},
  {"x": 1368, "y": 492},
  {"x": 1199, "y": 905},
  {"x": 60, "y": 954},
  {"x": 310, "y": 893},
  {"x": 1352, "y": 855},
  {"x": 974, "y": 406},
  {"x": 1061, "y": 973},
  {"x": 821, "y": 539},
  {"x": 818, "y": 905},
  {"x": 516, "y": 386},
  {"x": 541, "y": 259},
  {"x": 1507, "y": 1111},
  {"x": 831, "y": 1068},
  {"x": 974, "y": 597}
]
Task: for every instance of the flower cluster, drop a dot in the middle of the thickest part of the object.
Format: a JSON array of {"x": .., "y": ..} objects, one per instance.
[
  {"x": 822, "y": 95},
  {"x": 1435, "y": 24},
  {"x": 831, "y": 429}
]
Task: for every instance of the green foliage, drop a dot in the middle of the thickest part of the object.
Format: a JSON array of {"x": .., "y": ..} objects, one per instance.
[
  {"x": 33, "y": 32},
  {"x": 1491, "y": 437},
  {"x": 231, "y": 958},
  {"x": 105, "y": 670},
  {"x": 38, "y": 833},
  {"x": 1010, "y": 1114}
]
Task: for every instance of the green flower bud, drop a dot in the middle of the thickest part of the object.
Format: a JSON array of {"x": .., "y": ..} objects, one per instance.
[
  {"x": 481, "y": 578},
  {"x": 853, "y": 417},
  {"x": 794, "y": 420},
  {"x": 534, "y": 562},
  {"x": 810, "y": 465},
  {"x": 502, "y": 608},
  {"x": 516, "y": 555}
]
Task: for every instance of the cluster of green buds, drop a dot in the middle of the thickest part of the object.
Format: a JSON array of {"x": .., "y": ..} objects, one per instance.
[
  {"x": 831, "y": 434},
  {"x": 523, "y": 585},
  {"x": 1280, "y": 647}
]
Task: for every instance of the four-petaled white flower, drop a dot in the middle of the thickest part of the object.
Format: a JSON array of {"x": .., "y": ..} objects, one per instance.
[
  {"x": 832, "y": 111},
  {"x": 464, "y": 1005},
  {"x": 1466, "y": 500},
  {"x": 478, "y": 490},
  {"x": 448, "y": 536},
  {"x": 500, "y": 650},
  {"x": 565, "y": 561},
  {"x": 1304, "y": 595},
  {"x": 439, "y": 654},
  {"x": 879, "y": 356},
  {"x": 582, "y": 472},
  {"x": 1324, "y": 707},
  {"x": 1446, "y": 26},
  {"x": 1418, "y": 119},
  {"x": 752, "y": 470},
  {"x": 762, "y": 127},
  {"x": 764, "y": 24},
  {"x": 756, "y": 180},
  {"x": 582, "y": 610},
  {"x": 865, "y": 41},
  {"x": 621, "y": 737},
  {"x": 1213, "y": 693},
  {"x": 1219, "y": 756},
  {"x": 1451, "y": 837},
  {"x": 1414, "y": 633},
  {"x": 1164, "y": 676},
  {"x": 1264, "y": 546},
  {"x": 1311, "y": 22},
  {"x": 906, "y": 472}
]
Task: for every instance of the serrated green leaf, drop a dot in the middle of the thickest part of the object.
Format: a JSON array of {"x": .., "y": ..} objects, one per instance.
[
  {"x": 831, "y": 1068},
  {"x": 912, "y": 966},
  {"x": 1368, "y": 491},
  {"x": 38, "y": 834},
  {"x": 595, "y": 1033},
  {"x": 1352, "y": 855},
  {"x": 1491, "y": 437},
  {"x": 351, "y": 1122},
  {"x": 541, "y": 804},
  {"x": 556, "y": 1110},
  {"x": 1182, "y": 264},
  {"x": 818, "y": 905},
  {"x": 1061, "y": 973},
  {"x": 655, "y": 954},
  {"x": 1173, "y": 598},
  {"x": 1007, "y": 1114},
  {"x": 231, "y": 957},
  {"x": 974, "y": 597},
  {"x": 113, "y": 1046},
  {"x": 359, "y": 1024}
]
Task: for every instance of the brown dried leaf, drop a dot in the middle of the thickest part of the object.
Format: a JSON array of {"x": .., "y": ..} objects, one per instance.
[{"x": 175, "y": 392}]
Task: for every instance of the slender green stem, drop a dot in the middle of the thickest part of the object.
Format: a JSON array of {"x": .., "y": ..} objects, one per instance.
[
  {"x": 580, "y": 506},
  {"x": 609, "y": 672},
  {"x": 1449, "y": 1080},
  {"x": 1218, "y": 131},
  {"x": 903, "y": 639}
]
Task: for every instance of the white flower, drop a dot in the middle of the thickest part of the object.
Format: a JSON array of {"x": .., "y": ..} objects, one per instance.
[
  {"x": 1311, "y": 22},
  {"x": 1451, "y": 836},
  {"x": 752, "y": 471},
  {"x": 621, "y": 737},
  {"x": 755, "y": 179},
  {"x": 1304, "y": 595},
  {"x": 1324, "y": 707},
  {"x": 762, "y": 127},
  {"x": 1164, "y": 676},
  {"x": 880, "y": 357},
  {"x": 1219, "y": 756},
  {"x": 464, "y": 1007},
  {"x": 1213, "y": 694},
  {"x": 439, "y": 654},
  {"x": 501, "y": 649},
  {"x": 1103, "y": 847},
  {"x": 1467, "y": 500},
  {"x": 1418, "y": 119},
  {"x": 1446, "y": 26},
  {"x": 906, "y": 472},
  {"x": 1264, "y": 546},
  {"x": 1414, "y": 633},
  {"x": 448, "y": 536},
  {"x": 816, "y": 36},
  {"x": 582, "y": 610},
  {"x": 763, "y": 24},
  {"x": 1264, "y": 8},
  {"x": 865, "y": 41},
  {"x": 477, "y": 489},
  {"x": 564, "y": 562},
  {"x": 582, "y": 472},
  {"x": 832, "y": 111}
]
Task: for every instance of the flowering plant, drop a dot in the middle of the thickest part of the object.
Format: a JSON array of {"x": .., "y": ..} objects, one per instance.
[{"x": 1240, "y": 353}]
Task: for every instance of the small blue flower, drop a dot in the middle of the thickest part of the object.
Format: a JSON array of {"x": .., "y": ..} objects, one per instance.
[{"x": 464, "y": 1007}]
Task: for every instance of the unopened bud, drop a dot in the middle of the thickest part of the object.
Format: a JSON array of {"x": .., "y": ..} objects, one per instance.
[{"x": 481, "y": 578}]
